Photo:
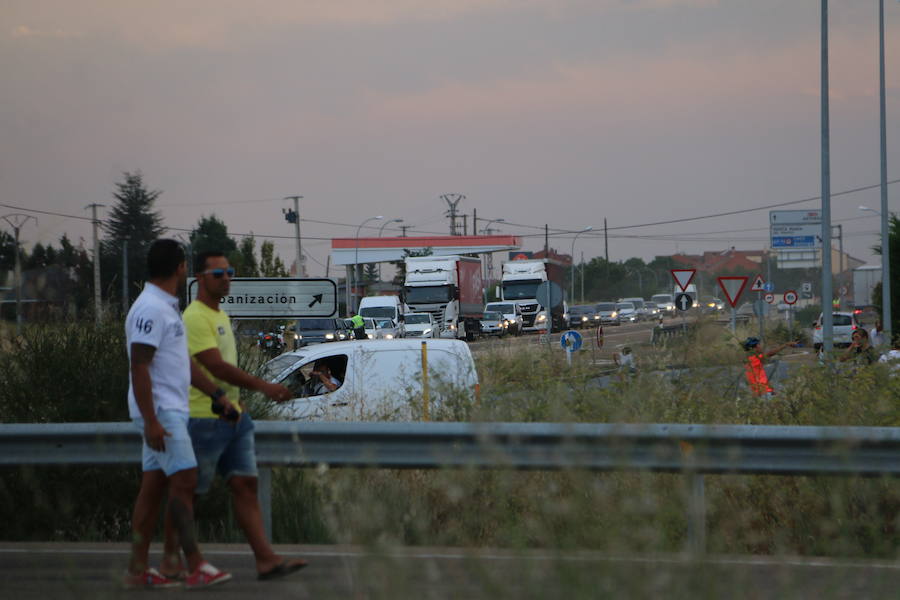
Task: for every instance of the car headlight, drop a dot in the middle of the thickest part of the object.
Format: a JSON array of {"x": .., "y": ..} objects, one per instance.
[
  {"x": 596, "y": 317},
  {"x": 342, "y": 335},
  {"x": 584, "y": 319},
  {"x": 329, "y": 336},
  {"x": 451, "y": 327},
  {"x": 388, "y": 336},
  {"x": 541, "y": 318},
  {"x": 426, "y": 332},
  {"x": 613, "y": 315},
  {"x": 370, "y": 336},
  {"x": 298, "y": 337}
]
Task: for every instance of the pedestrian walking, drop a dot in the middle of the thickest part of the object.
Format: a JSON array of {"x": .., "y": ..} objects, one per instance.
[
  {"x": 224, "y": 441},
  {"x": 160, "y": 374},
  {"x": 755, "y": 370}
]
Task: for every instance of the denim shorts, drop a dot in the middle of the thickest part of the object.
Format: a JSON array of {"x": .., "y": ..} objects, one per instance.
[
  {"x": 223, "y": 447},
  {"x": 179, "y": 452}
]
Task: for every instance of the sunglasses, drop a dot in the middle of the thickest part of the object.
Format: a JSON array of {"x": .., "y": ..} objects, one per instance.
[{"x": 218, "y": 273}]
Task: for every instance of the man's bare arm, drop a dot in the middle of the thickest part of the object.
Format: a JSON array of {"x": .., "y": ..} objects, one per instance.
[
  {"x": 218, "y": 367},
  {"x": 203, "y": 383},
  {"x": 141, "y": 357}
]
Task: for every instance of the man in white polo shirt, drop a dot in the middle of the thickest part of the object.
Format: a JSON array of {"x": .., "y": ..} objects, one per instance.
[{"x": 161, "y": 374}]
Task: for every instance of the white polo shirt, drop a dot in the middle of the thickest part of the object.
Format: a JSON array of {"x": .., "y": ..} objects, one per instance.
[{"x": 154, "y": 320}]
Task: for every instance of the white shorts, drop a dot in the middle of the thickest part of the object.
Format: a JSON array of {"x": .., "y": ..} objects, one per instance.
[{"x": 179, "y": 452}]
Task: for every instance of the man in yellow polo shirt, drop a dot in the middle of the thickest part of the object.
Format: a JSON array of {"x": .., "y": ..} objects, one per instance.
[{"x": 224, "y": 442}]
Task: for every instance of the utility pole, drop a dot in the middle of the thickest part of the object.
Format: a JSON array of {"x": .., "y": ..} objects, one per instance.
[
  {"x": 403, "y": 228},
  {"x": 98, "y": 301},
  {"x": 452, "y": 201},
  {"x": 605, "y": 241},
  {"x": 16, "y": 221},
  {"x": 293, "y": 216},
  {"x": 885, "y": 216},
  {"x": 825, "y": 152},
  {"x": 465, "y": 219},
  {"x": 474, "y": 221},
  {"x": 546, "y": 241}
]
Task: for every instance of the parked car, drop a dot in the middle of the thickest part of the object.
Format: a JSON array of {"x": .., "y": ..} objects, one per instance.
[
  {"x": 511, "y": 312},
  {"x": 607, "y": 312},
  {"x": 379, "y": 380},
  {"x": 627, "y": 312},
  {"x": 420, "y": 325},
  {"x": 580, "y": 316},
  {"x": 843, "y": 326},
  {"x": 318, "y": 331},
  {"x": 639, "y": 308},
  {"x": 493, "y": 323}
]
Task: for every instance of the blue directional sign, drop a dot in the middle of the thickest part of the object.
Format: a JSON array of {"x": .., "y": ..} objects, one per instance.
[
  {"x": 570, "y": 341},
  {"x": 769, "y": 286}
]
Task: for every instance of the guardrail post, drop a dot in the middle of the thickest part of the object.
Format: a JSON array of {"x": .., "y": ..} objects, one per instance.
[
  {"x": 696, "y": 533},
  {"x": 264, "y": 493}
]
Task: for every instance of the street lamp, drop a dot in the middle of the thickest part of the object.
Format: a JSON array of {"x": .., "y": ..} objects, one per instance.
[
  {"x": 487, "y": 228},
  {"x": 585, "y": 230},
  {"x": 356, "y": 258},
  {"x": 380, "y": 231},
  {"x": 885, "y": 272}
]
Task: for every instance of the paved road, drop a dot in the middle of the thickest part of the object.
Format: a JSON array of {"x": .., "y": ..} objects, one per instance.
[{"x": 32, "y": 571}]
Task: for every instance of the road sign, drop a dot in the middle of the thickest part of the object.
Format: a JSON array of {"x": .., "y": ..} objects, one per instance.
[
  {"x": 683, "y": 277},
  {"x": 277, "y": 298},
  {"x": 769, "y": 287},
  {"x": 790, "y": 297},
  {"x": 683, "y": 301},
  {"x": 570, "y": 341},
  {"x": 599, "y": 336},
  {"x": 549, "y": 288},
  {"x": 770, "y": 298},
  {"x": 806, "y": 287},
  {"x": 759, "y": 284},
  {"x": 794, "y": 217},
  {"x": 843, "y": 290},
  {"x": 733, "y": 288}
]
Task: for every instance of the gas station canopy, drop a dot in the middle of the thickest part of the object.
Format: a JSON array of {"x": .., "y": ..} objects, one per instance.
[{"x": 348, "y": 251}]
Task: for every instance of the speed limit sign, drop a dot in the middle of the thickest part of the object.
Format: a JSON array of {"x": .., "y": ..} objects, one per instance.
[
  {"x": 790, "y": 297},
  {"x": 770, "y": 297},
  {"x": 599, "y": 336}
]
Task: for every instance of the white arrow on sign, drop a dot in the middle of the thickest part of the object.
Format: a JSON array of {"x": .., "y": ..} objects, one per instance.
[
  {"x": 733, "y": 288},
  {"x": 683, "y": 277},
  {"x": 683, "y": 302},
  {"x": 759, "y": 284}
]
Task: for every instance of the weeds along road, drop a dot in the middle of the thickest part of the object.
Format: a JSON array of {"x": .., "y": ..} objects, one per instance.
[{"x": 58, "y": 570}]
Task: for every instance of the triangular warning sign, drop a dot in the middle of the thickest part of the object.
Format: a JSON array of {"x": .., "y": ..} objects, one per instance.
[
  {"x": 733, "y": 288},
  {"x": 683, "y": 277},
  {"x": 759, "y": 284}
]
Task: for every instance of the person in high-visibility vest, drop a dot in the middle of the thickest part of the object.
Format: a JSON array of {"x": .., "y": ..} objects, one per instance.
[
  {"x": 359, "y": 327},
  {"x": 757, "y": 379}
]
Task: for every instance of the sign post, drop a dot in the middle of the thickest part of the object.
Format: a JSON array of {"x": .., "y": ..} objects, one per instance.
[
  {"x": 790, "y": 298},
  {"x": 759, "y": 286},
  {"x": 733, "y": 287},
  {"x": 570, "y": 342}
]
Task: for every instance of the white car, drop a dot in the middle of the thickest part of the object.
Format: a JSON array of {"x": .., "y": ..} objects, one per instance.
[
  {"x": 843, "y": 326},
  {"x": 493, "y": 323},
  {"x": 627, "y": 312},
  {"x": 382, "y": 329},
  {"x": 420, "y": 325},
  {"x": 511, "y": 314}
]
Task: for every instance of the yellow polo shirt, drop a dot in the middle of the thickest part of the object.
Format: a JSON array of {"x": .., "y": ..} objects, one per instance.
[{"x": 208, "y": 328}]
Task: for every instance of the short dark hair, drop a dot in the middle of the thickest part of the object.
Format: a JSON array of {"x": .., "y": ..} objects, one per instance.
[
  {"x": 163, "y": 258},
  {"x": 200, "y": 259}
]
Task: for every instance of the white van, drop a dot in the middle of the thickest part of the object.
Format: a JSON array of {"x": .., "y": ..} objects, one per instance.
[
  {"x": 379, "y": 379},
  {"x": 383, "y": 307}
]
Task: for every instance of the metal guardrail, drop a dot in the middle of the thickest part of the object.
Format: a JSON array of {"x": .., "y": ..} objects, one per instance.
[{"x": 695, "y": 450}]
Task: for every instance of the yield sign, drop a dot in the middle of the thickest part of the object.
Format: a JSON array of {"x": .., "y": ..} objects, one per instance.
[
  {"x": 683, "y": 277},
  {"x": 733, "y": 288},
  {"x": 759, "y": 284}
]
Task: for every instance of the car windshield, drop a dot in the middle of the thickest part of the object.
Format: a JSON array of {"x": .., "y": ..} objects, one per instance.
[
  {"x": 503, "y": 308},
  {"x": 625, "y": 306},
  {"x": 491, "y": 316},
  {"x": 841, "y": 320},
  {"x": 606, "y": 306},
  {"x": 662, "y": 298},
  {"x": 414, "y": 319},
  {"x": 579, "y": 310},
  {"x": 384, "y": 323},
  {"x": 314, "y": 324},
  {"x": 377, "y": 311},
  {"x": 275, "y": 366},
  {"x": 369, "y": 323}
]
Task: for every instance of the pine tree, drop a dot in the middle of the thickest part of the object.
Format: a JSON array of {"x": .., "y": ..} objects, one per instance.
[
  {"x": 270, "y": 264},
  {"x": 211, "y": 234}
]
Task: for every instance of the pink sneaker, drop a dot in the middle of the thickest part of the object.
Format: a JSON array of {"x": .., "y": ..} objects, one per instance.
[
  {"x": 151, "y": 579},
  {"x": 204, "y": 576}
]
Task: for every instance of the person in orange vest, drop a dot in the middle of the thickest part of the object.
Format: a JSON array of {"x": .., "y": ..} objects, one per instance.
[{"x": 757, "y": 379}]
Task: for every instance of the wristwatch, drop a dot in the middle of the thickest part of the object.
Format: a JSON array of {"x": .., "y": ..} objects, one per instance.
[{"x": 217, "y": 394}]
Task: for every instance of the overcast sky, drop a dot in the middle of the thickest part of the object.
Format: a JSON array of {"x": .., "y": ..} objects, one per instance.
[{"x": 558, "y": 112}]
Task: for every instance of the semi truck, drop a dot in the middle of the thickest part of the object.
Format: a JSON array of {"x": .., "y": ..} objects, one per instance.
[
  {"x": 448, "y": 287},
  {"x": 519, "y": 284}
]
